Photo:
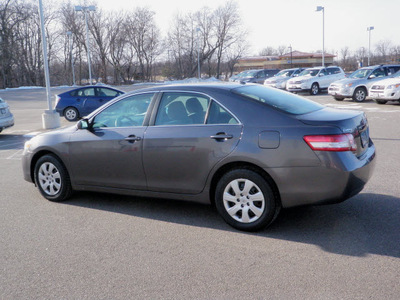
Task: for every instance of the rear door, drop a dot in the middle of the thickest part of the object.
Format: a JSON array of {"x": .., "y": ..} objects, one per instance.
[{"x": 179, "y": 150}]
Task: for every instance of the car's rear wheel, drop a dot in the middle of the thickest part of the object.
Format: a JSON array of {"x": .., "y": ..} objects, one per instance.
[
  {"x": 359, "y": 94},
  {"x": 314, "y": 89},
  {"x": 381, "y": 101},
  {"x": 71, "y": 114},
  {"x": 52, "y": 178},
  {"x": 245, "y": 200}
]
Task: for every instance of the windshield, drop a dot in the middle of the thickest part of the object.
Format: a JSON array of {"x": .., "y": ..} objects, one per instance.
[
  {"x": 360, "y": 73},
  {"x": 309, "y": 72},
  {"x": 283, "y": 101},
  {"x": 285, "y": 73}
]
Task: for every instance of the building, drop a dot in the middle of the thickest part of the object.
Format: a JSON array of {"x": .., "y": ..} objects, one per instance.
[{"x": 294, "y": 59}]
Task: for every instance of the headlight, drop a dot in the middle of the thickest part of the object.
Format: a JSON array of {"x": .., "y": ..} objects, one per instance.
[
  {"x": 27, "y": 146},
  {"x": 393, "y": 86},
  {"x": 348, "y": 85}
]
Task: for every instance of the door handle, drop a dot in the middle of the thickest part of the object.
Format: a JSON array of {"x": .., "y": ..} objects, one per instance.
[
  {"x": 221, "y": 136},
  {"x": 132, "y": 138}
]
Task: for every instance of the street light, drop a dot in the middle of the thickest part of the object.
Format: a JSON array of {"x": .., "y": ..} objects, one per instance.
[
  {"x": 85, "y": 10},
  {"x": 369, "y": 41},
  {"x": 69, "y": 34},
  {"x": 291, "y": 57},
  {"x": 198, "y": 51},
  {"x": 321, "y": 8}
]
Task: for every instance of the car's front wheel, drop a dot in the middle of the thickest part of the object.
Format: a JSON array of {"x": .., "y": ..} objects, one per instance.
[
  {"x": 314, "y": 89},
  {"x": 52, "y": 178},
  {"x": 245, "y": 200},
  {"x": 71, "y": 114},
  {"x": 359, "y": 94}
]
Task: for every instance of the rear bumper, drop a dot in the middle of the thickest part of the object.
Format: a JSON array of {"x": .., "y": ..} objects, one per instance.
[
  {"x": 7, "y": 122},
  {"x": 340, "y": 176}
]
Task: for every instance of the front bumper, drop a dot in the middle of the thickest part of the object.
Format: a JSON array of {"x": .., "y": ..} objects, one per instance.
[
  {"x": 340, "y": 176},
  {"x": 297, "y": 87},
  {"x": 345, "y": 92},
  {"x": 385, "y": 94}
]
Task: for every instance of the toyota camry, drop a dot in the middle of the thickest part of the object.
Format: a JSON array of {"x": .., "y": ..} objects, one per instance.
[{"x": 248, "y": 149}]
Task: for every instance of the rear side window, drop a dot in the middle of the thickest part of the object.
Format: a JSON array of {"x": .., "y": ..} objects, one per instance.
[
  {"x": 280, "y": 100},
  {"x": 332, "y": 71}
]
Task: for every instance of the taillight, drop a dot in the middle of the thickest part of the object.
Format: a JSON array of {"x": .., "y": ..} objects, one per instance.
[
  {"x": 337, "y": 142},
  {"x": 57, "y": 100}
]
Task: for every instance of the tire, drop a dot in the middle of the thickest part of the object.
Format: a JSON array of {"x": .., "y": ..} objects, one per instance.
[
  {"x": 359, "y": 94},
  {"x": 52, "y": 179},
  {"x": 338, "y": 98},
  {"x": 71, "y": 114},
  {"x": 245, "y": 200},
  {"x": 314, "y": 89},
  {"x": 381, "y": 101}
]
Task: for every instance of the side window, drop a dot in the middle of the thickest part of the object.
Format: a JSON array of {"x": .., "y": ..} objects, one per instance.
[
  {"x": 378, "y": 72},
  {"x": 391, "y": 70},
  {"x": 127, "y": 112},
  {"x": 332, "y": 71},
  {"x": 218, "y": 115},
  {"x": 182, "y": 109},
  {"x": 102, "y": 92},
  {"x": 323, "y": 71},
  {"x": 88, "y": 92}
]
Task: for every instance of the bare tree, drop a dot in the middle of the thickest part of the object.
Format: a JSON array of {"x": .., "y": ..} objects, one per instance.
[
  {"x": 228, "y": 29},
  {"x": 383, "y": 49}
]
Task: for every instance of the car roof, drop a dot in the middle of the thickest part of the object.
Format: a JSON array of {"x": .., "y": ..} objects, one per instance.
[{"x": 194, "y": 87}]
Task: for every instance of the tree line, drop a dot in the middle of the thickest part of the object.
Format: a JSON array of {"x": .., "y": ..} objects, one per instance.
[{"x": 125, "y": 46}]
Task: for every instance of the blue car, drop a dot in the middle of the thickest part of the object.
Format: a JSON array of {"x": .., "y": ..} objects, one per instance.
[{"x": 82, "y": 101}]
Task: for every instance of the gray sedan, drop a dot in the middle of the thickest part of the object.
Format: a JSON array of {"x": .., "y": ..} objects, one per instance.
[{"x": 249, "y": 149}]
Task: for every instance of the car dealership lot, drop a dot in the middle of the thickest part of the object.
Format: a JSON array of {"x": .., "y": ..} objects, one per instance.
[{"x": 100, "y": 246}]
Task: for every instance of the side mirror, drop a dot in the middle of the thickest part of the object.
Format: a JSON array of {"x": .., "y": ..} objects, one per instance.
[
  {"x": 83, "y": 124},
  {"x": 321, "y": 74},
  {"x": 372, "y": 76}
]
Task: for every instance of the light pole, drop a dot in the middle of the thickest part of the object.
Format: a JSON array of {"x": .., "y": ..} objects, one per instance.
[
  {"x": 69, "y": 34},
  {"x": 291, "y": 56},
  {"x": 321, "y": 8},
  {"x": 85, "y": 10},
  {"x": 369, "y": 41},
  {"x": 50, "y": 118},
  {"x": 198, "y": 51}
]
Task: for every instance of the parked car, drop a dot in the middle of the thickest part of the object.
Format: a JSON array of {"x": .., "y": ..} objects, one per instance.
[
  {"x": 6, "y": 117},
  {"x": 385, "y": 90},
  {"x": 257, "y": 76},
  {"x": 82, "y": 101},
  {"x": 315, "y": 79},
  {"x": 280, "y": 79},
  {"x": 236, "y": 78},
  {"x": 356, "y": 86},
  {"x": 249, "y": 149}
]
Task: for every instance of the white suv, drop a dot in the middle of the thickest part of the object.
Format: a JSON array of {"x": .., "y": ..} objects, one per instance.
[{"x": 315, "y": 79}]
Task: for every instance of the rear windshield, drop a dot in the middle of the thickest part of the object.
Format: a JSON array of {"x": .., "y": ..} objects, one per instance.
[{"x": 281, "y": 100}]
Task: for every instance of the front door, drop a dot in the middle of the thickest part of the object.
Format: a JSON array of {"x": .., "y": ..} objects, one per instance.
[{"x": 110, "y": 153}]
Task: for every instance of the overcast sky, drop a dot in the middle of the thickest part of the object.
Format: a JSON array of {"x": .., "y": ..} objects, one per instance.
[{"x": 284, "y": 22}]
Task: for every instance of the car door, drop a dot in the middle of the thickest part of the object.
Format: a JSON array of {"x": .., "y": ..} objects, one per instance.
[
  {"x": 323, "y": 78},
  {"x": 179, "y": 151},
  {"x": 109, "y": 153}
]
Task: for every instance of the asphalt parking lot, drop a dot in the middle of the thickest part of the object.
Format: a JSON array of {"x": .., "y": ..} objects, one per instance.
[{"x": 102, "y": 246}]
